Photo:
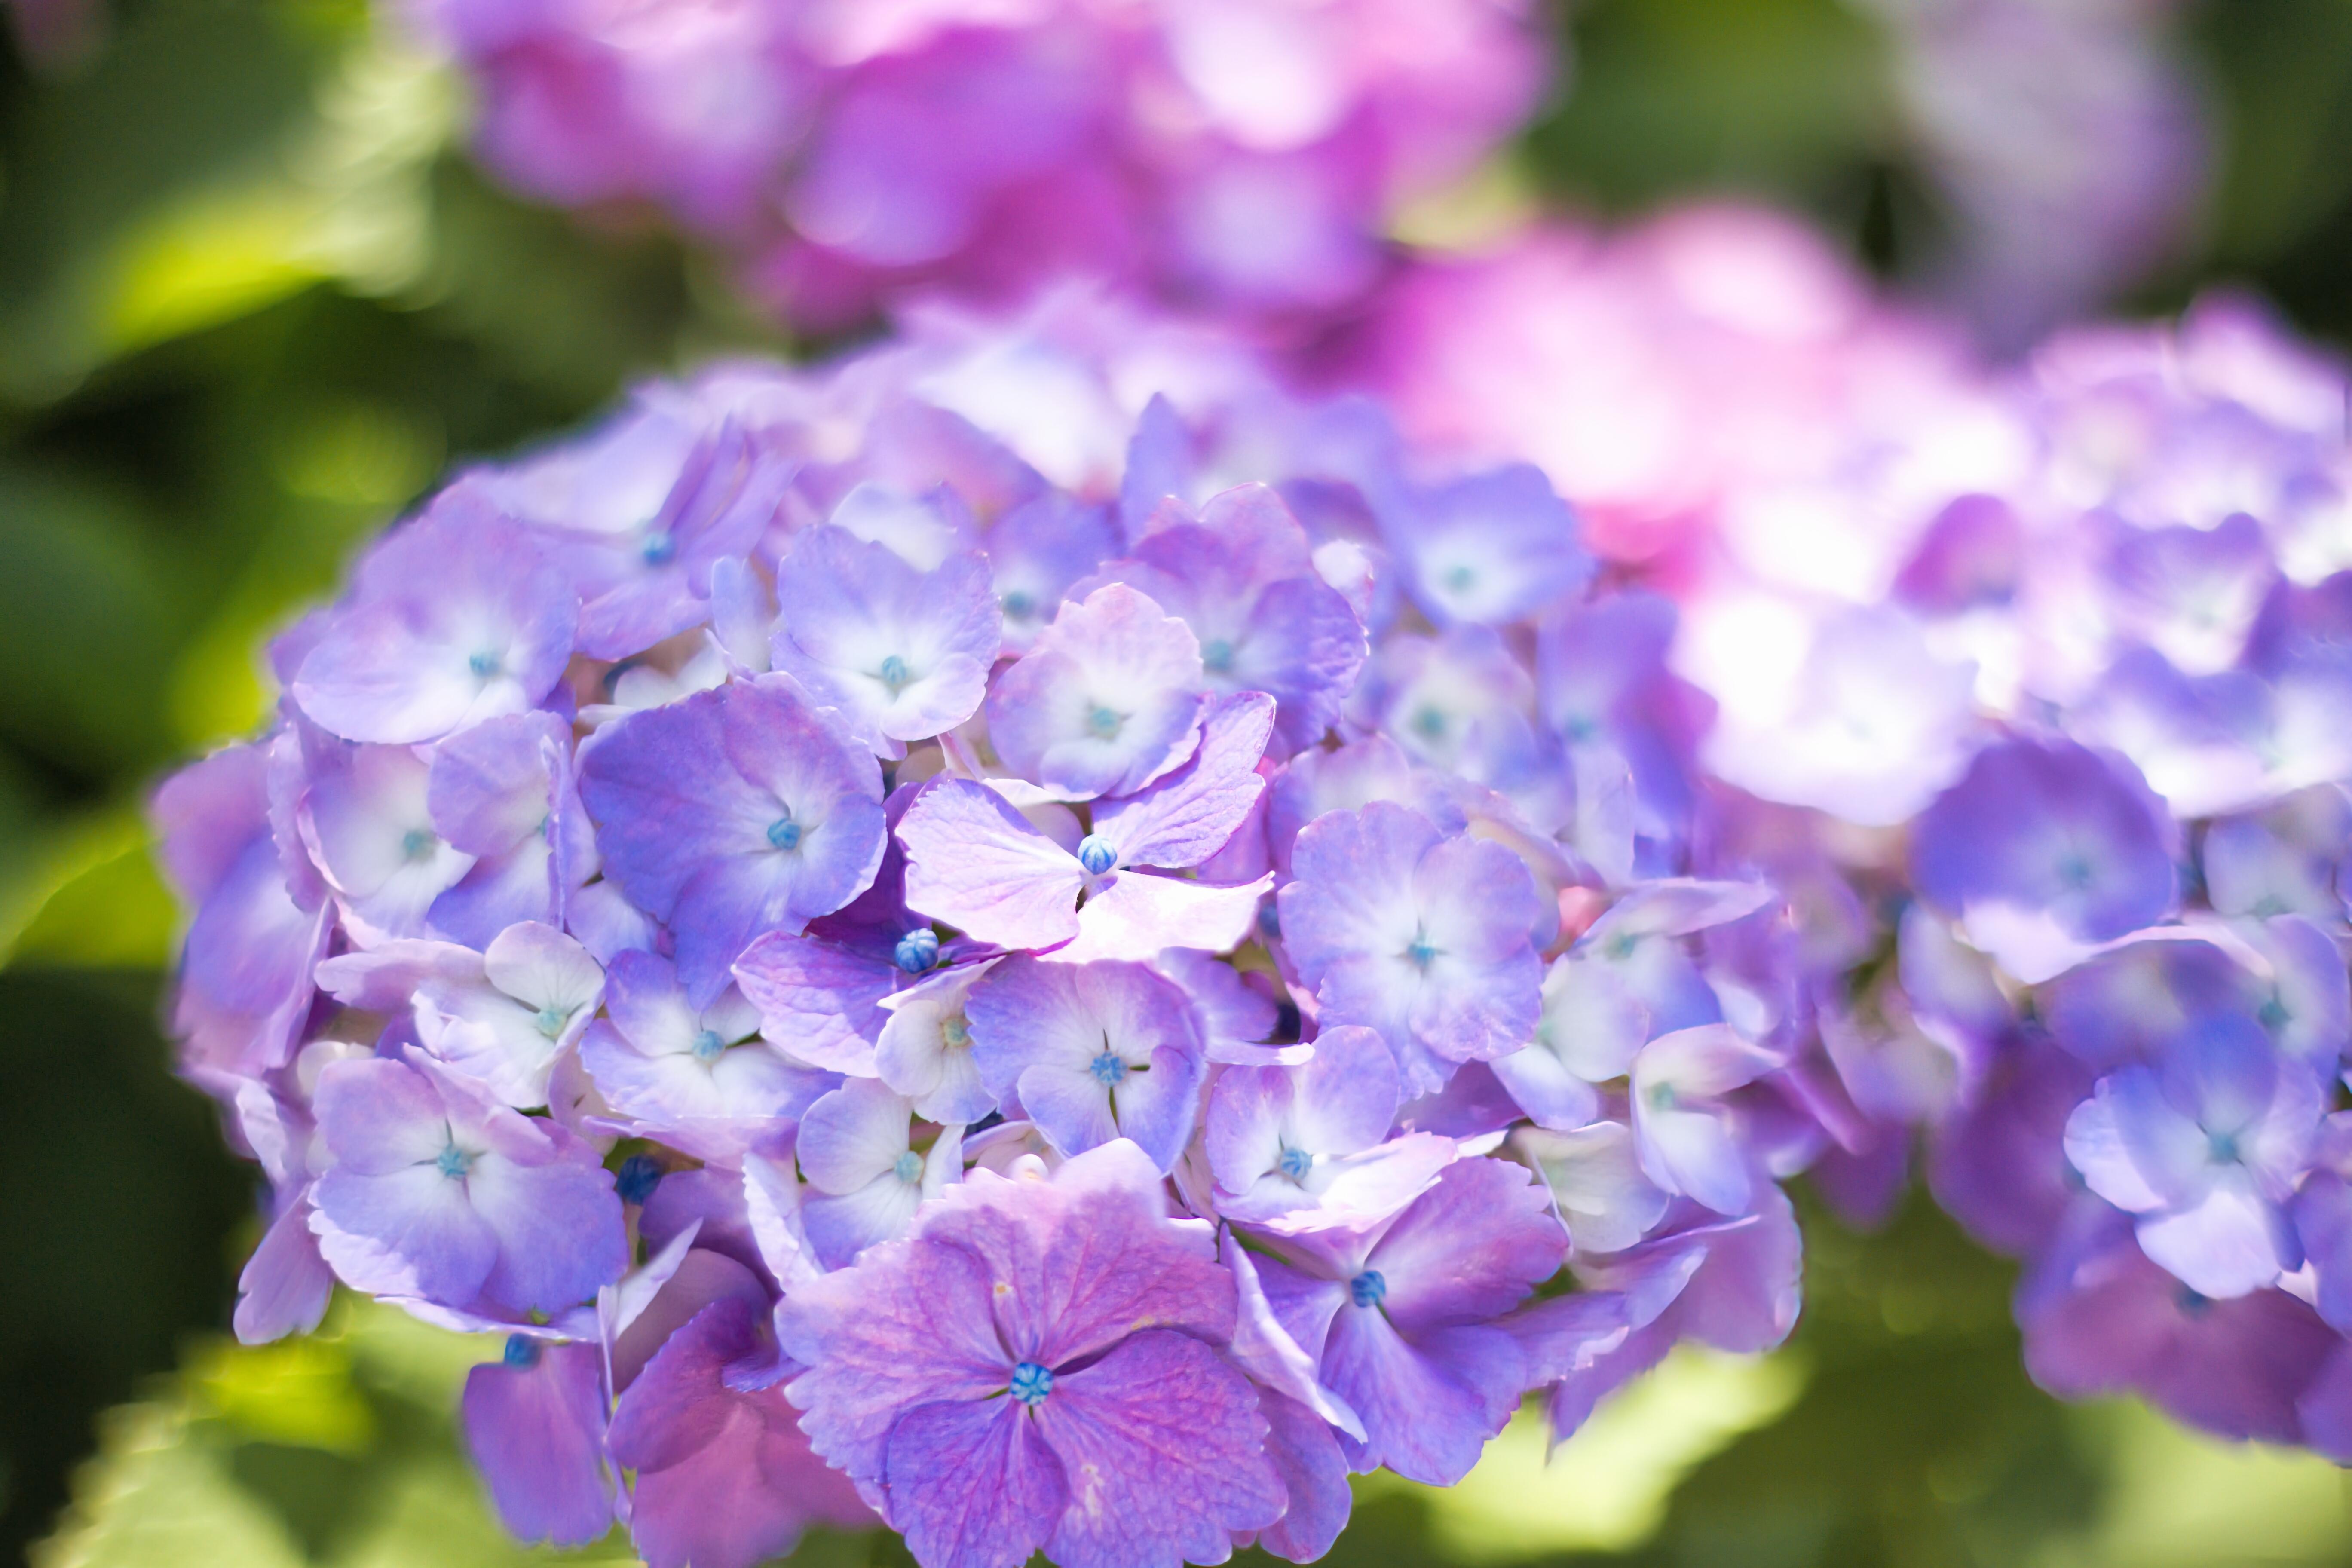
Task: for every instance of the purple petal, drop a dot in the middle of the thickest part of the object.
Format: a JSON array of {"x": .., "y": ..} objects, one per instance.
[
  {"x": 972, "y": 1484},
  {"x": 536, "y": 1434},
  {"x": 1136, "y": 916},
  {"x": 1314, "y": 1475},
  {"x": 725, "y": 1478},
  {"x": 817, "y": 1000},
  {"x": 1471, "y": 1249},
  {"x": 1170, "y": 1448},
  {"x": 1429, "y": 1405},
  {"x": 1187, "y": 816},
  {"x": 980, "y": 866},
  {"x": 286, "y": 1285}
]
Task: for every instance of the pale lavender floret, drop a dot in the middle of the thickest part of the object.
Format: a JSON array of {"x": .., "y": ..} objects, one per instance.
[
  {"x": 699, "y": 1077},
  {"x": 2228, "y": 741},
  {"x": 1036, "y": 550},
  {"x": 1626, "y": 978},
  {"x": 507, "y": 1022},
  {"x": 2206, "y": 1149},
  {"x": 2191, "y": 594},
  {"x": 653, "y": 578},
  {"x": 2043, "y": 850},
  {"x": 1422, "y": 937},
  {"x": 1038, "y": 1365},
  {"x": 733, "y": 814},
  {"x": 1091, "y": 1052},
  {"x": 534, "y": 1423},
  {"x": 1109, "y": 698},
  {"x": 854, "y": 1147},
  {"x": 980, "y": 865},
  {"x": 1400, "y": 1317},
  {"x": 503, "y": 793},
  {"x": 1463, "y": 702},
  {"x": 1689, "y": 1141},
  {"x": 1312, "y": 1141},
  {"x": 438, "y": 1192},
  {"x": 1243, "y": 577},
  {"x": 2286, "y": 858},
  {"x": 1486, "y": 549},
  {"x": 1596, "y": 1179},
  {"x": 903, "y": 654},
  {"x": 368, "y": 823},
  {"x": 457, "y": 617},
  {"x": 924, "y": 1050}
]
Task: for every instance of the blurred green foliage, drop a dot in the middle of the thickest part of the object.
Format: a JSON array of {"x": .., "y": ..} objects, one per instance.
[{"x": 252, "y": 302}]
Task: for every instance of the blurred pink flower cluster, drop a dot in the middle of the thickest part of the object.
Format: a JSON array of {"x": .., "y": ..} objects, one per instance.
[{"x": 1239, "y": 154}]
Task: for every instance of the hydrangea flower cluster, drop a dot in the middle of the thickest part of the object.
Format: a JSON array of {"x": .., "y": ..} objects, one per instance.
[
  {"x": 2095, "y": 940},
  {"x": 1239, "y": 154},
  {"x": 1018, "y": 935}
]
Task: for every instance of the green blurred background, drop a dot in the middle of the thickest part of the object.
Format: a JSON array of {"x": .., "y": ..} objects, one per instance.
[{"x": 252, "y": 301}]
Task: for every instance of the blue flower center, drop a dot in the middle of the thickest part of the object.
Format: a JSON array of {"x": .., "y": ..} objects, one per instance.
[
  {"x": 1368, "y": 1288},
  {"x": 453, "y": 1163},
  {"x": 2074, "y": 872},
  {"x": 784, "y": 833},
  {"x": 522, "y": 1350},
  {"x": 955, "y": 1032},
  {"x": 550, "y": 1020},
  {"x": 1217, "y": 656},
  {"x": 1422, "y": 952},
  {"x": 1429, "y": 723},
  {"x": 1103, "y": 724},
  {"x": 908, "y": 1167},
  {"x": 708, "y": 1046},
  {"x": 485, "y": 665},
  {"x": 418, "y": 843},
  {"x": 659, "y": 549},
  {"x": 895, "y": 674},
  {"x": 1461, "y": 579},
  {"x": 1095, "y": 854},
  {"x": 2272, "y": 1014},
  {"x": 1032, "y": 1383},
  {"x": 1108, "y": 1069},
  {"x": 1019, "y": 604},
  {"x": 1661, "y": 1096},
  {"x": 2190, "y": 1303},
  {"x": 636, "y": 1180},
  {"x": 1295, "y": 1164},
  {"x": 2223, "y": 1147},
  {"x": 917, "y": 951}
]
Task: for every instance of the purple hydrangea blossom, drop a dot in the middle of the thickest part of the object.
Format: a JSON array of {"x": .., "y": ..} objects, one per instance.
[
  {"x": 1107, "y": 699},
  {"x": 1399, "y": 1316},
  {"x": 904, "y": 654},
  {"x": 2043, "y": 850},
  {"x": 733, "y": 814},
  {"x": 438, "y": 1191},
  {"x": 1422, "y": 937},
  {"x": 1246, "y": 155},
  {"x": 1092, "y": 1052},
  {"x": 1039, "y": 1364},
  {"x": 457, "y": 617},
  {"x": 712, "y": 946}
]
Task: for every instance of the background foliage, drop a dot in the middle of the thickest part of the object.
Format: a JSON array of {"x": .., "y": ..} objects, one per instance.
[{"x": 251, "y": 303}]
